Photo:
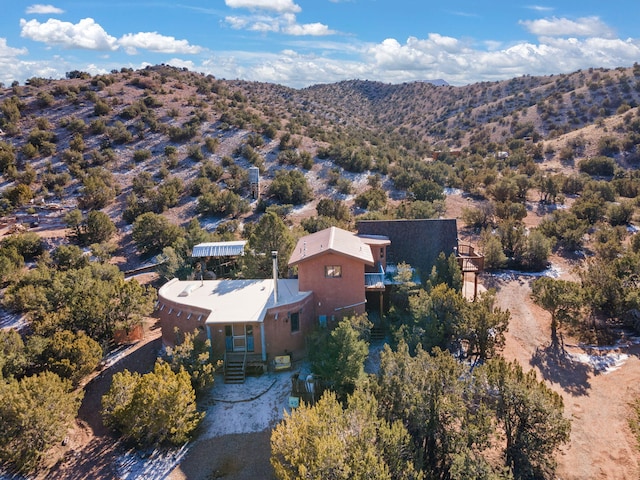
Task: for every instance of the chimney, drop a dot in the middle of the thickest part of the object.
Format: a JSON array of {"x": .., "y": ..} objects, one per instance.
[{"x": 274, "y": 257}]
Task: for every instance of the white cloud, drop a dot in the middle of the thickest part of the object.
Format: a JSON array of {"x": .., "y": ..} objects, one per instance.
[
  {"x": 452, "y": 59},
  {"x": 280, "y": 6},
  {"x": 39, "y": 9},
  {"x": 85, "y": 34},
  {"x": 540, "y": 8},
  {"x": 285, "y": 23},
  {"x": 255, "y": 23},
  {"x": 458, "y": 13},
  {"x": 313, "y": 29},
  {"x": 7, "y": 52},
  {"x": 237, "y": 23},
  {"x": 179, "y": 63},
  {"x": 562, "y": 27},
  {"x": 290, "y": 27},
  {"x": 155, "y": 42}
]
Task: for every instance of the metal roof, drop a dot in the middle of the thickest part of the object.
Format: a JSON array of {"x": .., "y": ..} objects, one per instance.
[
  {"x": 219, "y": 249},
  {"x": 333, "y": 240}
]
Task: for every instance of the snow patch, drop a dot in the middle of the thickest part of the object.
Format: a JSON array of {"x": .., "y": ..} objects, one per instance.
[
  {"x": 553, "y": 271},
  {"x": 600, "y": 363},
  {"x": 16, "y": 321},
  {"x": 157, "y": 465},
  {"x": 254, "y": 406}
]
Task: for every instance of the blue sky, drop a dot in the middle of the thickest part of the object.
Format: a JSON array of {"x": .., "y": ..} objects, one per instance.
[{"x": 304, "y": 42}]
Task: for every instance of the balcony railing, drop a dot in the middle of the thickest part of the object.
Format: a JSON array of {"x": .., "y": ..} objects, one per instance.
[
  {"x": 375, "y": 280},
  {"x": 468, "y": 259}
]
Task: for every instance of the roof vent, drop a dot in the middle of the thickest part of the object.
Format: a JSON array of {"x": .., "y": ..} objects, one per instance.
[{"x": 187, "y": 290}]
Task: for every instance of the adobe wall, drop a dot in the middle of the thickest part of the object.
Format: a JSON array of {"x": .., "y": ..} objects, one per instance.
[
  {"x": 280, "y": 339},
  {"x": 176, "y": 315},
  {"x": 332, "y": 295}
]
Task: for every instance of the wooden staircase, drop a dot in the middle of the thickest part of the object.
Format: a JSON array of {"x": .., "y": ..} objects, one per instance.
[
  {"x": 378, "y": 333},
  {"x": 235, "y": 367}
]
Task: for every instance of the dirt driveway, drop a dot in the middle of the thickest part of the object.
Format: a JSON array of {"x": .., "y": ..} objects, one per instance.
[{"x": 602, "y": 445}]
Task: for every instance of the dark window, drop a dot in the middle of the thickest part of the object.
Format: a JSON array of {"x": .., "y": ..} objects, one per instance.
[
  {"x": 295, "y": 321},
  {"x": 333, "y": 271}
]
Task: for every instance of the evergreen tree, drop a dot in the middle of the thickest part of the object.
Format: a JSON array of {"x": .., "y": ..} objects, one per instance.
[
  {"x": 561, "y": 298},
  {"x": 192, "y": 354},
  {"x": 327, "y": 441},
  {"x": 338, "y": 357},
  {"x": 530, "y": 416},
  {"x": 13, "y": 357},
  {"x": 269, "y": 235},
  {"x": 152, "y": 409},
  {"x": 446, "y": 270},
  {"x": 485, "y": 326},
  {"x": 430, "y": 395},
  {"x": 71, "y": 355},
  {"x": 35, "y": 413}
]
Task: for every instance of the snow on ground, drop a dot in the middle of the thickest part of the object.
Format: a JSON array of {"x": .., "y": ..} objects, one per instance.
[
  {"x": 600, "y": 363},
  {"x": 156, "y": 465},
  {"x": 254, "y": 406},
  {"x": 12, "y": 320},
  {"x": 604, "y": 359},
  {"x": 553, "y": 271}
]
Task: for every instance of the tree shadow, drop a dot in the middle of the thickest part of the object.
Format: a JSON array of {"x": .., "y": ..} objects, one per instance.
[
  {"x": 556, "y": 366},
  {"x": 95, "y": 460},
  {"x": 140, "y": 360}
]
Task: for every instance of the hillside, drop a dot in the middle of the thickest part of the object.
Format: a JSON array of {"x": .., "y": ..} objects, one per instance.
[
  {"x": 133, "y": 122},
  {"x": 173, "y": 123},
  {"x": 539, "y": 171}
]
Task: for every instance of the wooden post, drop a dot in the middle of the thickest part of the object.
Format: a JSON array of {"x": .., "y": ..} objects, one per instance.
[{"x": 475, "y": 286}]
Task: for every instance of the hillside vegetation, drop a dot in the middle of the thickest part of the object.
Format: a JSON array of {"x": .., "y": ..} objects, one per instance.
[
  {"x": 131, "y": 162},
  {"x": 139, "y": 166}
]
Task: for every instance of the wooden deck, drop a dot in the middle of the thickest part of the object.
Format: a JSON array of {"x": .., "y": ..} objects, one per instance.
[{"x": 469, "y": 260}]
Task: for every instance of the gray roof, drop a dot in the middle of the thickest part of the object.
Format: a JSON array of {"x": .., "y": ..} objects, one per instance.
[
  {"x": 416, "y": 242},
  {"x": 219, "y": 249}
]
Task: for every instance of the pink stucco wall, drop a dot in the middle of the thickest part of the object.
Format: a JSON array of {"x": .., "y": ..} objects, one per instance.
[
  {"x": 279, "y": 337},
  {"x": 332, "y": 295}
]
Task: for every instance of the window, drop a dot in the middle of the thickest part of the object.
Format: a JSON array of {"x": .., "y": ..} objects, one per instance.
[
  {"x": 295, "y": 321},
  {"x": 333, "y": 271}
]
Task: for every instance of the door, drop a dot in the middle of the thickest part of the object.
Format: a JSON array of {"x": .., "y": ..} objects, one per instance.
[
  {"x": 249, "y": 332},
  {"x": 228, "y": 338}
]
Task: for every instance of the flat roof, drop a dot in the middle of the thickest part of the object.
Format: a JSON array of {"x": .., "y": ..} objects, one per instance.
[
  {"x": 219, "y": 249},
  {"x": 231, "y": 301},
  {"x": 375, "y": 239}
]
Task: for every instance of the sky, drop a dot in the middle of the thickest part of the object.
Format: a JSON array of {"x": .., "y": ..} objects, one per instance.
[{"x": 298, "y": 43}]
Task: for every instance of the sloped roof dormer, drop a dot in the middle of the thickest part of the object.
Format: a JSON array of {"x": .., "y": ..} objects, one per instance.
[{"x": 333, "y": 240}]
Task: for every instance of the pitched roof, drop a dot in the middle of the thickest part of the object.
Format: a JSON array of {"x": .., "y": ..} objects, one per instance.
[
  {"x": 416, "y": 242},
  {"x": 334, "y": 240}
]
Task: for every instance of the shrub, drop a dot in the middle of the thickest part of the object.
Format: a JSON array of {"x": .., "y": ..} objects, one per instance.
[{"x": 602, "y": 166}]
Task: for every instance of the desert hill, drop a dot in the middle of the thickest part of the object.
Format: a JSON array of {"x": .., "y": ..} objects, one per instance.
[
  {"x": 180, "y": 144},
  {"x": 92, "y": 142}
]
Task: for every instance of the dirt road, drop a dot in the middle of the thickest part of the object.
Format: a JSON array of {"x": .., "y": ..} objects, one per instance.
[{"x": 602, "y": 445}]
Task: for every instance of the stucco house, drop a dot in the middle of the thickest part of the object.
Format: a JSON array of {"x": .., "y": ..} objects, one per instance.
[
  {"x": 336, "y": 273},
  {"x": 337, "y": 266},
  {"x": 265, "y": 318}
]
